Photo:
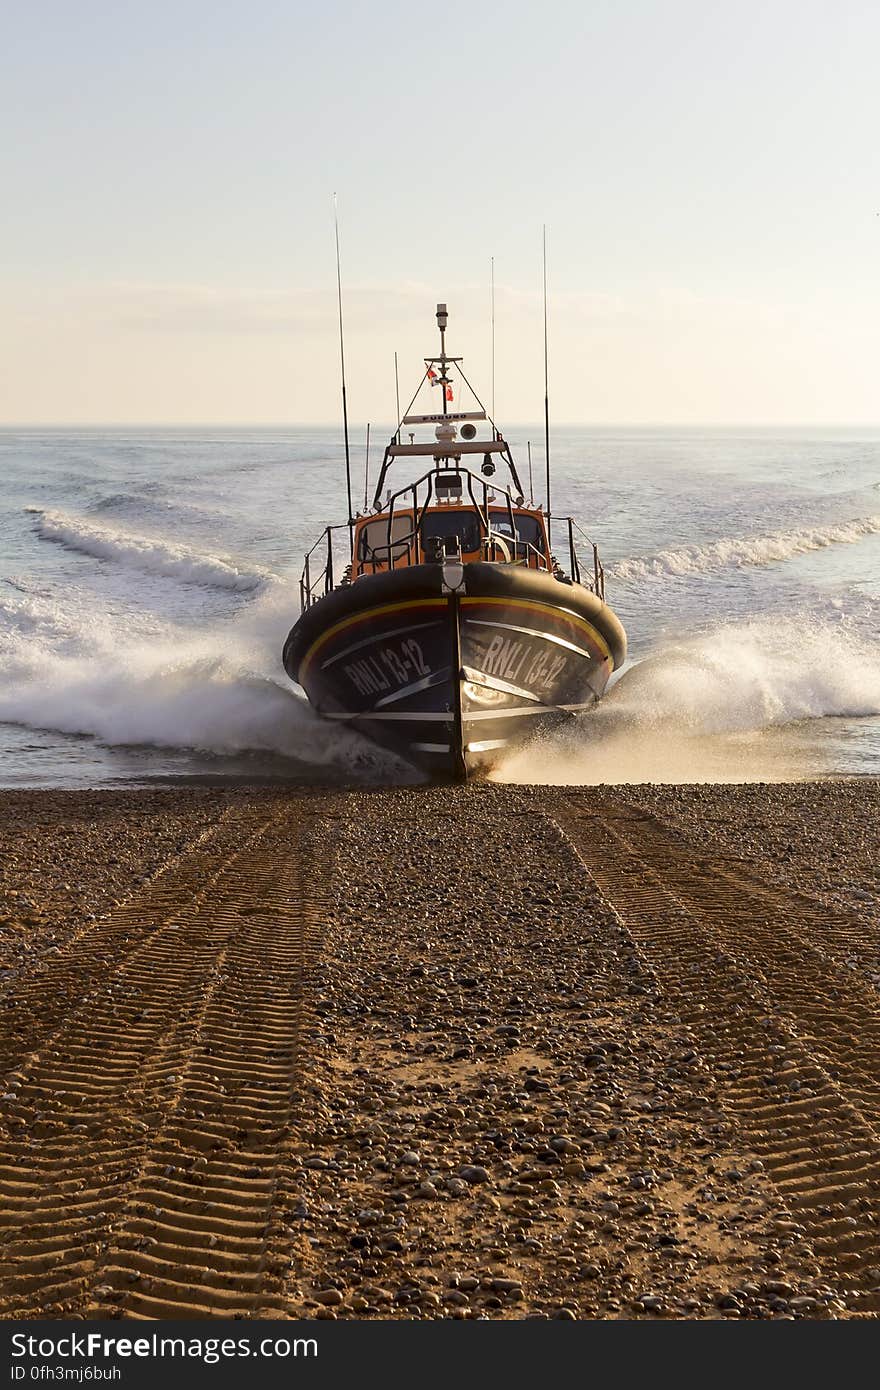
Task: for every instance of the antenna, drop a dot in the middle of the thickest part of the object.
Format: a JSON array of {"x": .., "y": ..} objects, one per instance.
[
  {"x": 344, "y": 397},
  {"x": 442, "y": 320},
  {"x": 492, "y": 315},
  {"x": 546, "y": 391},
  {"x": 397, "y": 395},
  {"x": 531, "y": 483},
  {"x": 367, "y": 470}
]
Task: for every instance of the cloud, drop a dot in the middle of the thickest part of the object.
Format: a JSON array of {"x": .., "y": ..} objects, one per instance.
[
  {"x": 205, "y": 308},
  {"x": 176, "y": 308},
  {"x": 176, "y": 351}
]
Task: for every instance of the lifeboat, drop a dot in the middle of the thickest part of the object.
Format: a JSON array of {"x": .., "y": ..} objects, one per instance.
[{"x": 454, "y": 634}]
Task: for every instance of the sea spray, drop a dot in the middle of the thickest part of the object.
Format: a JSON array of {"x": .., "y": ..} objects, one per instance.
[
  {"x": 221, "y": 691},
  {"x": 721, "y": 706}
]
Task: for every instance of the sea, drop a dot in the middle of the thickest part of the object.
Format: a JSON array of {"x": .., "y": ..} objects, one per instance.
[{"x": 148, "y": 578}]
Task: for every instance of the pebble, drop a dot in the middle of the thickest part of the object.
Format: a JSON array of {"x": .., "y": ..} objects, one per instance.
[
  {"x": 507, "y": 1048},
  {"x": 474, "y": 1173},
  {"x": 457, "y": 1297},
  {"x": 652, "y": 1303},
  {"x": 331, "y": 1298}
]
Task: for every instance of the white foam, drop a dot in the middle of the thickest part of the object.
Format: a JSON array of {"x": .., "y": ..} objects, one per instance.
[
  {"x": 150, "y": 554},
  {"x": 704, "y": 709},
  {"x": 739, "y": 551},
  {"x": 222, "y": 691},
  {"x": 723, "y": 706}
]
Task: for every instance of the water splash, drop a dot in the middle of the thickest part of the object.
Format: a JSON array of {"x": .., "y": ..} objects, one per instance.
[
  {"x": 220, "y": 691},
  {"x": 721, "y": 707}
]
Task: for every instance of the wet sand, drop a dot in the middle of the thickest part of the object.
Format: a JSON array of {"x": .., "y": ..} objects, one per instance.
[{"x": 483, "y": 1052}]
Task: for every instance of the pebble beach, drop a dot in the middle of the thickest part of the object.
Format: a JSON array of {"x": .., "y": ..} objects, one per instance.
[{"x": 499, "y": 1087}]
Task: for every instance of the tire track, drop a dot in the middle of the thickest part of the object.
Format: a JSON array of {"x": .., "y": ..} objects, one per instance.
[
  {"x": 770, "y": 1002},
  {"x": 148, "y": 1137},
  {"x": 89, "y": 956}
]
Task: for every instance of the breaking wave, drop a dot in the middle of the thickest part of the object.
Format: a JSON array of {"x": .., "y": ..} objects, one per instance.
[
  {"x": 216, "y": 692},
  {"x": 150, "y": 554},
  {"x": 721, "y": 707},
  {"x": 738, "y": 551}
]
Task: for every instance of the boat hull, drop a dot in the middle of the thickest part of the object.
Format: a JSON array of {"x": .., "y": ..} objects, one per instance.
[{"x": 453, "y": 666}]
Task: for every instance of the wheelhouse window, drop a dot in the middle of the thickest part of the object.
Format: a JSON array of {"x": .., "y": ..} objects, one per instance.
[
  {"x": 444, "y": 525},
  {"x": 373, "y": 543},
  {"x": 528, "y": 528}
]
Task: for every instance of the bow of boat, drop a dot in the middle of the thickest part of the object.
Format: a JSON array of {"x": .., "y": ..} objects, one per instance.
[{"x": 450, "y": 665}]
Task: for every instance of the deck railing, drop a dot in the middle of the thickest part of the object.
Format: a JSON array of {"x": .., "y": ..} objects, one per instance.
[{"x": 320, "y": 567}]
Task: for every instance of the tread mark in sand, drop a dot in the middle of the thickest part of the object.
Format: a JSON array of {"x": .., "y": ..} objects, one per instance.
[
  {"x": 143, "y": 1165},
  {"x": 749, "y": 967}
]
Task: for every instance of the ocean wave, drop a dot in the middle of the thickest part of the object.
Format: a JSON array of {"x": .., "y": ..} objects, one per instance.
[
  {"x": 149, "y": 554},
  {"x": 721, "y": 707},
  {"x": 222, "y": 691},
  {"x": 740, "y": 551}
]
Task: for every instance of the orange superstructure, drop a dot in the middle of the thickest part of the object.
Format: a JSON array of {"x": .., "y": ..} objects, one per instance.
[{"x": 407, "y": 536}]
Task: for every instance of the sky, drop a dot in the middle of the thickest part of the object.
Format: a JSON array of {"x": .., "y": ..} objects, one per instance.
[{"x": 707, "y": 172}]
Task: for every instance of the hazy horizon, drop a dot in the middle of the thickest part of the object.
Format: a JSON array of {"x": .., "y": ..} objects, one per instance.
[
  {"x": 376, "y": 431},
  {"x": 707, "y": 176}
]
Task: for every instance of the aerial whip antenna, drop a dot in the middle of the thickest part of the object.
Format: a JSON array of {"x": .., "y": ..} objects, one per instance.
[
  {"x": 367, "y": 470},
  {"x": 344, "y": 397},
  {"x": 492, "y": 315},
  {"x": 397, "y": 395},
  {"x": 546, "y": 391},
  {"x": 531, "y": 483}
]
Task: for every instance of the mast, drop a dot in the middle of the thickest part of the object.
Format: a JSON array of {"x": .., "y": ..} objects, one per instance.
[
  {"x": 546, "y": 392},
  {"x": 446, "y": 445},
  {"x": 344, "y": 397},
  {"x": 442, "y": 320}
]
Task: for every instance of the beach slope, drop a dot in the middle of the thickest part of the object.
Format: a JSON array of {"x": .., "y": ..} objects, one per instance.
[{"x": 462, "y": 1052}]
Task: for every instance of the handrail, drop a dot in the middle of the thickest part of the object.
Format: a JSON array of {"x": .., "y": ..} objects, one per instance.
[
  {"x": 325, "y": 579},
  {"x": 409, "y": 544},
  {"x": 598, "y": 585}
]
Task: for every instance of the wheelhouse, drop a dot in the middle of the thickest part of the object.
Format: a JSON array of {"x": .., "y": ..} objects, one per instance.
[{"x": 394, "y": 539}]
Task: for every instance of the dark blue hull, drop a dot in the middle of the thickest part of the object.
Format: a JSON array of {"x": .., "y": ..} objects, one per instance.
[{"x": 454, "y": 666}]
